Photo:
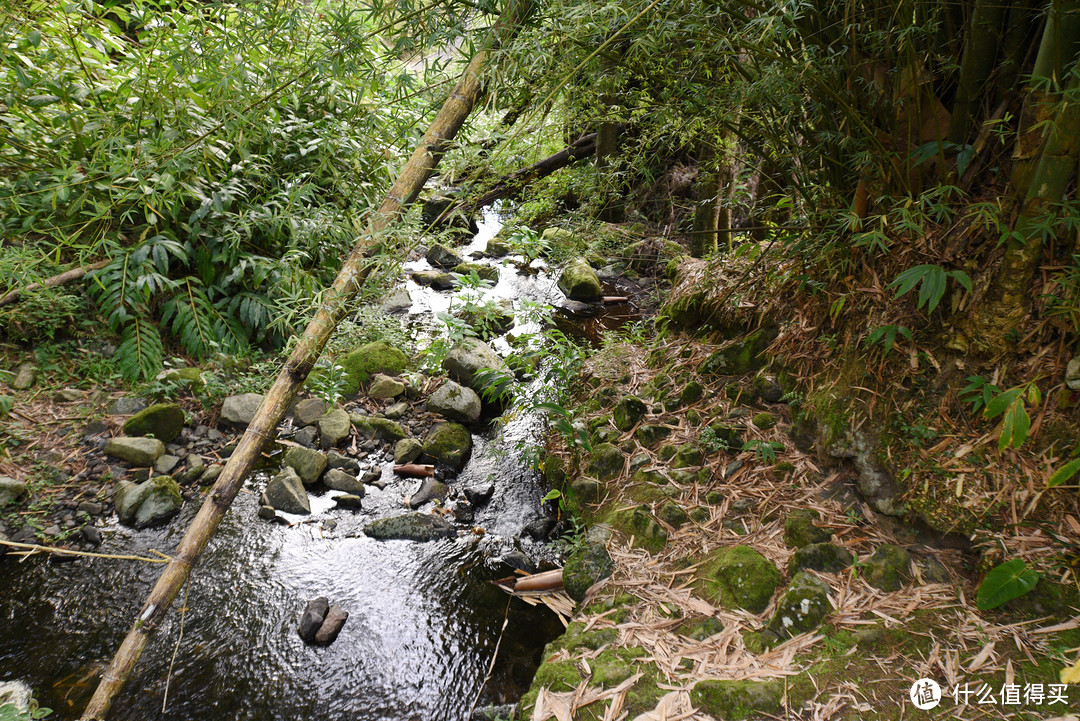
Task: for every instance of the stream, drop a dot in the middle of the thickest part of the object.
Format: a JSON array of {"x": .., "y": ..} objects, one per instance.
[{"x": 424, "y": 617}]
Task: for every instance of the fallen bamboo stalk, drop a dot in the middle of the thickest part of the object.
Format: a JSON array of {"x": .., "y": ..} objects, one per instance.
[
  {"x": 608, "y": 299},
  {"x": 333, "y": 308},
  {"x": 516, "y": 181},
  {"x": 421, "y": 470},
  {"x": 536, "y": 582},
  {"x": 29, "y": 549},
  {"x": 66, "y": 277}
]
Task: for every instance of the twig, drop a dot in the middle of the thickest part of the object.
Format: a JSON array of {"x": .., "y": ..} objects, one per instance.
[
  {"x": 176, "y": 648},
  {"x": 66, "y": 276},
  {"x": 30, "y": 548},
  {"x": 491, "y": 666}
]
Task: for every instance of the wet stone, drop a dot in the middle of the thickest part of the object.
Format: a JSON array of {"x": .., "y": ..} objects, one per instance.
[
  {"x": 331, "y": 626},
  {"x": 349, "y": 500},
  {"x": 312, "y": 618},
  {"x": 306, "y": 436},
  {"x": 166, "y": 464},
  {"x": 340, "y": 480},
  {"x": 308, "y": 411}
]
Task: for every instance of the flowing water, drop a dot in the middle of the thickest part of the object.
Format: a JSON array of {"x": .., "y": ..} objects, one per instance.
[{"x": 424, "y": 619}]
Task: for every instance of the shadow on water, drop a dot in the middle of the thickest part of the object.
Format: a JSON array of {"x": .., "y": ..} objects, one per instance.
[{"x": 424, "y": 619}]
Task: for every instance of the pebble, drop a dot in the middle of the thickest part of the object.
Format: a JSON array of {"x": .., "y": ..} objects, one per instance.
[{"x": 92, "y": 535}]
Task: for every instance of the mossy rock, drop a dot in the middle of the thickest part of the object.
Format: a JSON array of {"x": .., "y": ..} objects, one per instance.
[
  {"x": 192, "y": 377},
  {"x": 649, "y": 475},
  {"x": 673, "y": 514},
  {"x": 728, "y": 434},
  {"x": 742, "y": 356},
  {"x": 556, "y": 676},
  {"x": 737, "y": 700},
  {"x": 587, "y": 565},
  {"x": 450, "y": 443},
  {"x": 163, "y": 421},
  {"x": 618, "y": 606},
  {"x": 688, "y": 455},
  {"x": 764, "y": 420},
  {"x": 800, "y": 530},
  {"x": 650, "y": 435},
  {"x": 700, "y": 514},
  {"x": 627, "y": 412},
  {"x": 578, "y": 281},
  {"x": 367, "y": 360},
  {"x": 380, "y": 429},
  {"x": 738, "y": 577},
  {"x": 576, "y": 638},
  {"x": 700, "y": 629},
  {"x": 555, "y": 471},
  {"x": 639, "y": 523},
  {"x": 613, "y": 666},
  {"x": 889, "y": 568},
  {"x": 483, "y": 270},
  {"x": 606, "y": 462},
  {"x": 692, "y": 392},
  {"x": 823, "y": 557},
  {"x": 801, "y": 609}
]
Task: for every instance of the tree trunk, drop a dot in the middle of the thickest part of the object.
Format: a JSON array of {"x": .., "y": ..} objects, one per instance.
[
  {"x": 1019, "y": 32},
  {"x": 335, "y": 304},
  {"x": 980, "y": 54},
  {"x": 704, "y": 237}
]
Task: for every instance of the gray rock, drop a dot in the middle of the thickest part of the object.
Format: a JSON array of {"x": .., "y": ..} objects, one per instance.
[
  {"x": 578, "y": 281},
  {"x": 312, "y": 618},
  {"x": 469, "y": 356},
  {"x": 429, "y": 489},
  {"x": 138, "y": 451},
  {"x": 480, "y": 495},
  {"x": 92, "y": 508},
  {"x": 889, "y": 568},
  {"x": 267, "y": 513},
  {"x": 334, "y": 427},
  {"x": 443, "y": 257},
  {"x": 25, "y": 375},
  {"x": 306, "y": 436},
  {"x": 166, "y": 464},
  {"x": 148, "y": 503},
  {"x": 411, "y": 527},
  {"x": 397, "y": 301},
  {"x": 407, "y": 450},
  {"x": 802, "y": 608},
  {"x": 875, "y": 482},
  {"x": 285, "y": 492},
  {"x": 68, "y": 395},
  {"x": 163, "y": 421},
  {"x": 308, "y": 464},
  {"x": 307, "y": 411},
  {"x": 344, "y": 463},
  {"x": 456, "y": 402},
  {"x": 383, "y": 386},
  {"x": 331, "y": 627},
  {"x": 91, "y": 535},
  {"x": 434, "y": 278},
  {"x": 339, "y": 480},
  {"x": 237, "y": 411},
  {"x": 349, "y": 500},
  {"x": 396, "y": 411},
  {"x": 126, "y": 406},
  {"x": 210, "y": 475},
  {"x": 10, "y": 490},
  {"x": 824, "y": 557}
]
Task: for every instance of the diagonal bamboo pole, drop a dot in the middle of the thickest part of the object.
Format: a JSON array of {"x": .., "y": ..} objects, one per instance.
[{"x": 335, "y": 304}]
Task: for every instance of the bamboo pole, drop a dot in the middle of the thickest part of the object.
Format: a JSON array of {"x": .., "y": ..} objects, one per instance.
[
  {"x": 66, "y": 277},
  {"x": 295, "y": 370}
]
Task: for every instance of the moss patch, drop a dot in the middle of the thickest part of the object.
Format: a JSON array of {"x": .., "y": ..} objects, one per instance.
[{"x": 738, "y": 577}]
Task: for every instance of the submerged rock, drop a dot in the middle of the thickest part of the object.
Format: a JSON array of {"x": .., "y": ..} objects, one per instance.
[
  {"x": 456, "y": 402},
  {"x": 285, "y": 492},
  {"x": 437, "y": 280},
  {"x": 429, "y": 489},
  {"x": 148, "y": 503},
  {"x": 578, "y": 281},
  {"x": 163, "y": 421},
  {"x": 238, "y": 410},
  {"x": 137, "y": 451},
  {"x": 411, "y": 527}
]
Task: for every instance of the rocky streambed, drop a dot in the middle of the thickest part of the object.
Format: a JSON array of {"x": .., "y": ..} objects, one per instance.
[{"x": 408, "y": 557}]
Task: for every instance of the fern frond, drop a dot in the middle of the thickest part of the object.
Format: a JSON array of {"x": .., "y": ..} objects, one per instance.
[{"x": 140, "y": 353}]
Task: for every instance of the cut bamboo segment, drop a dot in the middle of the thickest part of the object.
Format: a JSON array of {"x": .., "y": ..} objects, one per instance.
[{"x": 335, "y": 304}]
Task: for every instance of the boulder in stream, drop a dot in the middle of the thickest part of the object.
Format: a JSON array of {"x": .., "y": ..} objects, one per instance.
[
  {"x": 456, "y": 402},
  {"x": 578, "y": 281},
  {"x": 429, "y": 489},
  {"x": 308, "y": 411},
  {"x": 285, "y": 492},
  {"x": 148, "y": 503},
  {"x": 312, "y": 618},
  {"x": 332, "y": 625},
  {"x": 334, "y": 427},
  {"x": 410, "y": 527},
  {"x": 367, "y": 360},
  {"x": 450, "y": 443},
  {"x": 309, "y": 464},
  {"x": 443, "y": 257},
  {"x": 470, "y": 356}
]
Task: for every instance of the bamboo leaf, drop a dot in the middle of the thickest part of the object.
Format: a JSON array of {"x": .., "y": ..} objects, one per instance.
[
  {"x": 1064, "y": 474},
  {"x": 1002, "y": 402}
]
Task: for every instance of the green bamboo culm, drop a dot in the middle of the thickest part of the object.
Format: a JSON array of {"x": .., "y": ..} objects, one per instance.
[
  {"x": 976, "y": 67},
  {"x": 335, "y": 305}
]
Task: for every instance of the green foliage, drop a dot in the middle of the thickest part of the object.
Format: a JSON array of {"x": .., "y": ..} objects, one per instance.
[
  {"x": 763, "y": 450},
  {"x": 1005, "y": 582},
  {"x": 576, "y": 435},
  {"x": 1064, "y": 474},
  {"x": 1015, "y": 422},
  {"x": 886, "y": 335},
  {"x": 931, "y": 281},
  {"x": 711, "y": 442},
  {"x": 11, "y": 712},
  {"x": 978, "y": 392},
  {"x": 327, "y": 380}
]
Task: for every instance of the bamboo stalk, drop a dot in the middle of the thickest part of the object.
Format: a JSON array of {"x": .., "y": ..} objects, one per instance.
[
  {"x": 336, "y": 303},
  {"x": 66, "y": 277}
]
